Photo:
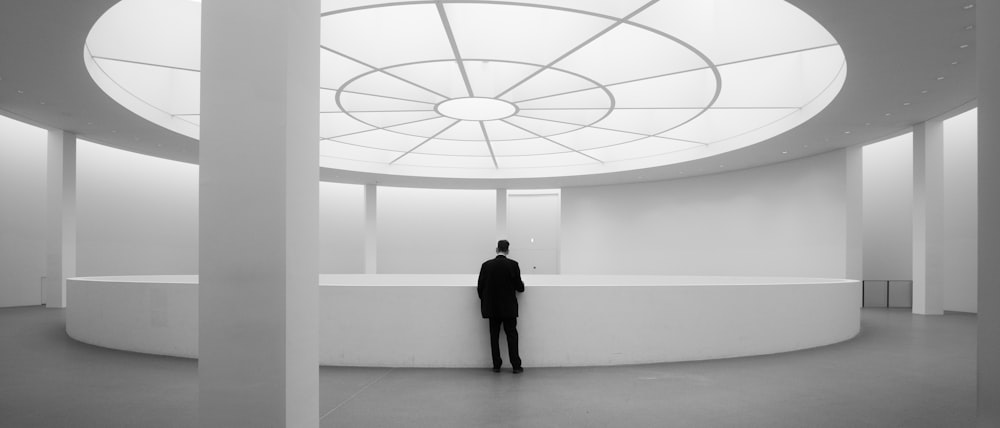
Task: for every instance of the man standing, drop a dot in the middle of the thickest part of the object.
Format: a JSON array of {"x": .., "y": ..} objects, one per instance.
[{"x": 499, "y": 279}]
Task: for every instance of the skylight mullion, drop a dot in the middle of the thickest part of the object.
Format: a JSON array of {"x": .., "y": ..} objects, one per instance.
[
  {"x": 146, "y": 63},
  {"x": 376, "y": 95},
  {"x": 580, "y": 46},
  {"x": 551, "y": 140},
  {"x": 454, "y": 49},
  {"x": 425, "y": 141},
  {"x": 489, "y": 144},
  {"x": 610, "y": 129},
  {"x": 379, "y": 128},
  {"x": 383, "y": 71}
]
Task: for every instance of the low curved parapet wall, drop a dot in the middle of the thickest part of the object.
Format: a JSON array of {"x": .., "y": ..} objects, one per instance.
[{"x": 565, "y": 320}]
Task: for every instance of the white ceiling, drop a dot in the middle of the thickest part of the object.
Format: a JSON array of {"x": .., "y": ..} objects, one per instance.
[{"x": 905, "y": 63}]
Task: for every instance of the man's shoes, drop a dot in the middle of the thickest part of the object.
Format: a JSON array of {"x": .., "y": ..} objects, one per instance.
[
  {"x": 518, "y": 370},
  {"x": 496, "y": 370}
]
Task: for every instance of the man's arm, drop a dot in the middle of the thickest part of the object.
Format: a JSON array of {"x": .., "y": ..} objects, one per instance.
[
  {"x": 481, "y": 286},
  {"x": 518, "y": 283}
]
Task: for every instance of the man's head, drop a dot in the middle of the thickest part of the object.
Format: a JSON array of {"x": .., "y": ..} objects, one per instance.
[{"x": 503, "y": 247}]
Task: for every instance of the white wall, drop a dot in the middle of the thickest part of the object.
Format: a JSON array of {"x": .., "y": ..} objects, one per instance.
[
  {"x": 960, "y": 213},
  {"x": 136, "y": 214},
  {"x": 888, "y": 209},
  {"x": 781, "y": 219},
  {"x": 435, "y": 230},
  {"x": 22, "y": 212},
  {"x": 341, "y": 228}
]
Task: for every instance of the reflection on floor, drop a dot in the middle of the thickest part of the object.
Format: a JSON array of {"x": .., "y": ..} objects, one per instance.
[{"x": 903, "y": 370}]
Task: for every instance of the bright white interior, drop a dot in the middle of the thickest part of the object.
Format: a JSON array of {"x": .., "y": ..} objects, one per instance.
[{"x": 477, "y": 89}]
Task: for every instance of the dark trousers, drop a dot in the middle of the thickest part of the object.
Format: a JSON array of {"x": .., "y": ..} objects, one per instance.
[{"x": 510, "y": 330}]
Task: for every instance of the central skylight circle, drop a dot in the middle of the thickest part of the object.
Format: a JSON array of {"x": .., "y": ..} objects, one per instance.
[{"x": 476, "y": 108}]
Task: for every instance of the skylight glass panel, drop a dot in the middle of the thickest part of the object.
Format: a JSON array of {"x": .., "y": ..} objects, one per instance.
[
  {"x": 151, "y": 85},
  {"x": 720, "y": 124},
  {"x": 454, "y": 147},
  {"x": 465, "y": 130},
  {"x": 441, "y": 77},
  {"x": 489, "y": 77},
  {"x": 790, "y": 80},
  {"x": 616, "y": 8},
  {"x": 334, "y": 124},
  {"x": 163, "y": 32},
  {"x": 387, "y": 36},
  {"x": 500, "y": 131},
  {"x": 689, "y": 89},
  {"x": 358, "y": 102},
  {"x": 439, "y": 161},
  {"x": 573, "y": 116},
  {"x": 391, "y": 84},
  {"x": 485, "y": 31},
  {"x": 533, "y": 146},
  {"x": 588, "y": 138},
  {"x": 731, "y": 30},
  {"x": 548, "y": 82},
  {"x": 597, "y": 99},
  {"x": 644, "y": 148},
  {"x": 335, "y": 70},
  {"x": 541, "y": 127},
  {"x": 545, "y": 161},
  {"x": 628, "y": 52},
  {"x": 647, "y": 121},
  {"x": 334, "y": 149},
  {"x": 383, "y": 140},
  {"x": 391, "y": 119},
  {"x": 425, "y": 128}
]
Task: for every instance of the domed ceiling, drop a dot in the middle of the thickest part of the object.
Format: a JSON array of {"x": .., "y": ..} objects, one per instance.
[{"x": 510, "y": 89}]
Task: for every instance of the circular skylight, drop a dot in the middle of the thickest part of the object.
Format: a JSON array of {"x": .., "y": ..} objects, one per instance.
[{"x": 510, "y": 89}]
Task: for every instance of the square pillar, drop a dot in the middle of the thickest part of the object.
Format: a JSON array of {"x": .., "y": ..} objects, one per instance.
[
  {"x": 371, "y": 228},
  {"x": 854, "y": 204},
  {"x": 259, "y": 214},
  {"x": 988, "y": 69},
  {"x": 60, "y": 216},
  {"x": 928, "y": 218},
  {"x": 501, "y": 214}
]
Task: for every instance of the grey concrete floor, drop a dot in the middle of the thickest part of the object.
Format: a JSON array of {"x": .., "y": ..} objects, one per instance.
[{"x": 903, "y": 370}]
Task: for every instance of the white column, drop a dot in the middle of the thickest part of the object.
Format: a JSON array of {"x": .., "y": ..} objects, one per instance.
[
  {"x": 60, "y": 213},
  {"x": 501, "y": 214},
  {"x": 259, "y": 214},
  {"x": 928, "y": 218},
  {"x": 371, "y": 228},
  {"x": 988, "y": 68},
  {"x": 853, "y": 198}
]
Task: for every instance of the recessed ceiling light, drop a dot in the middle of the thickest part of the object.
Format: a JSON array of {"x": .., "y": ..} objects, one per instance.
[
  {"x": 923, "y": 91},
  {"x": 784, "y": 153},
  {"x": 41, "y": 102},
  {"x": 906, "y": 104},
  {"x": 969, "y": 27},
  {"x": 963, "y": 46},
  {"x": 954, "y": 63},
  {"x": 20, "y": 91},
  {"x": 940, "y": 78},
  {"x": 888, "y": 114},
  {"x": 968, "y": 6},
  {"x": 847, "y": 132}
]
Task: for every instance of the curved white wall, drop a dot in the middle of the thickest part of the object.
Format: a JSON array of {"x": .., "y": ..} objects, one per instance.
[
  {"x": 434, "y": 320},
  {"x": 782, "y": 219}
]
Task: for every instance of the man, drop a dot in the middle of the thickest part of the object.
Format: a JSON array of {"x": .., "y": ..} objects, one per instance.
[{"x": 499, "y": 278}]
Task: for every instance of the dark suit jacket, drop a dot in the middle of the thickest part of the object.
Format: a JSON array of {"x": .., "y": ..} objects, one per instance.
[{"x": 499, "y": 278}]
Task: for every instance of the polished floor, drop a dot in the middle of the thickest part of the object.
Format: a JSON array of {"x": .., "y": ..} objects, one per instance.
[{"x": 903, "y": 370}]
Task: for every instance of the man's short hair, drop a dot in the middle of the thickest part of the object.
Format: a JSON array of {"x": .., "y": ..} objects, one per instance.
[{"x": 503, "y": 246}]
